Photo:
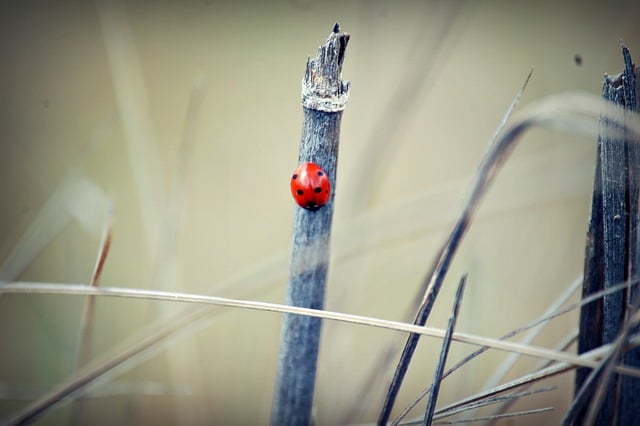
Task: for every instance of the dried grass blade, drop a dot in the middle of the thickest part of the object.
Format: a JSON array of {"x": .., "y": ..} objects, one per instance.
[
  {"x": 585, "y": 360},
  {"x": 563, "y": 345},
  {"x": 501, "y": 416},
  {"x": 492, "y": 400},
  {"x": 509, "y": 362}
]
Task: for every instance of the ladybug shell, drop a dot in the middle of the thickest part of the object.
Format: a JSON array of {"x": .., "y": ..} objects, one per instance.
[{"x": 310, "y": 186}]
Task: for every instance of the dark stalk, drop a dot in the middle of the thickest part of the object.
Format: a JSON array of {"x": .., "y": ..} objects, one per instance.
[
  {"x": 444, "y": 352},
  {"x": 612, "y": 255}
]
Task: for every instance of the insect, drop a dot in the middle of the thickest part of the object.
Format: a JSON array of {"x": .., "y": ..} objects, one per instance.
[{"x": 310, "y": 186}]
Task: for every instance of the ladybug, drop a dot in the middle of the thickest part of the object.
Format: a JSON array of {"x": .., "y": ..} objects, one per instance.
[{"x": 310, "y": 186}]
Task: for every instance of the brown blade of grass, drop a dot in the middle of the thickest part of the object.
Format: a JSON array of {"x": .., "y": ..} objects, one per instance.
[
  {"x": 85, "y": 339},
  {"x": 87, "y": 319}
]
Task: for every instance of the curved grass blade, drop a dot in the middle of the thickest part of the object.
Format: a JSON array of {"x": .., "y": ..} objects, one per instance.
[{"x": 431, "y": 285}]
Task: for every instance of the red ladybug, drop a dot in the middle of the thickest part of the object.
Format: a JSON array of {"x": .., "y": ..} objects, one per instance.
[{"x": 310, "y": 186}]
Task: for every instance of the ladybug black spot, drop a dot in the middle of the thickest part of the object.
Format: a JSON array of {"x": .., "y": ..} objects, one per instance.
[
  {"x": 300, "y": 192},
  {"x": 295, "y": 176},
  {"x": 317, "y": 190}
]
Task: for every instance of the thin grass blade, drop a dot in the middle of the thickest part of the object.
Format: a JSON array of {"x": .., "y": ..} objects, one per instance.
[{"x": 444, "y": 352}]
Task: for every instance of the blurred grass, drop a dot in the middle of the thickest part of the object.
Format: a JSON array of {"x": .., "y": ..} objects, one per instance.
[{"x": 58, "y": 93}]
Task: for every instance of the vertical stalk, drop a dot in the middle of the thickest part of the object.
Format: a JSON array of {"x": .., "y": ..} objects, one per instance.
[
  {"x": 324, "y": 97},
  {"x": 612, "y": 257}
]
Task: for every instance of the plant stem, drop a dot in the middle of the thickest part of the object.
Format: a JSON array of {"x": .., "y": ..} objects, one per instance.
[
  {"x": 612, "y": 255},
  {"x": 324, "y": 97}
]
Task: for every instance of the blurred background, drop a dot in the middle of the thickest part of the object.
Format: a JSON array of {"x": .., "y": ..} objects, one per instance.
[{"x": 183, "y": 120}]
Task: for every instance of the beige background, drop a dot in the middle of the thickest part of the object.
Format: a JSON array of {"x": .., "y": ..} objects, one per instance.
[{"x": 98, "y": 95}]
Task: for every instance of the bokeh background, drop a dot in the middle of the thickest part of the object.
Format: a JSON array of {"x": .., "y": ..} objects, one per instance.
[{"x": 183, "y": 119}]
